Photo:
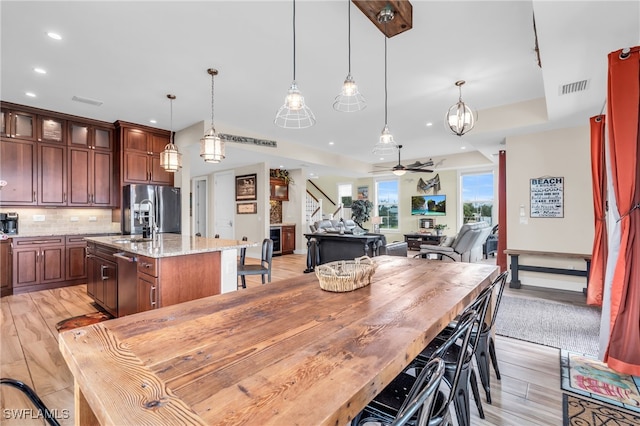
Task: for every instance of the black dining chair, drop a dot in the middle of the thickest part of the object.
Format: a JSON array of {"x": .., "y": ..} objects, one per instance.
[
  {"x": 388, "y": 402},
  {"x": 263, "y": 269},
  {"x": 416, "y": 405}
]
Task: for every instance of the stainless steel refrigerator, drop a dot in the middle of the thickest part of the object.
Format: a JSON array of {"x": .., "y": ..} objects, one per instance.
[{"x": 141, "y": 201}]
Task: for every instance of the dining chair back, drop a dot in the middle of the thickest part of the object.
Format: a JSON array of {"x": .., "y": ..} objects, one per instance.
[{"x": 263, "y": 269}]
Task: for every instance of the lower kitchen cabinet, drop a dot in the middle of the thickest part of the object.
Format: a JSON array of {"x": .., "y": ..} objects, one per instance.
[
  {"x": 37, "y": 261},
  {"x": 288, "y": 239},
  {"x": 5, "y": 268},
  {"x": 147, "y": 284},
  {"x": 76, "y": 253},
  {"x": 102, "y": 283}
]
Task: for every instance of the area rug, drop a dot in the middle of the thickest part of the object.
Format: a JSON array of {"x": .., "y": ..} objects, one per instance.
[
  {"x": 82, "y": 320},
  {"x": 581, "y": 412},
  {"x": 549, "y": 323},
  {"x": 589, "y": 377}
]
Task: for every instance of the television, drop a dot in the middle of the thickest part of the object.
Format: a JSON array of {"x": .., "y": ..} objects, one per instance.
[{"x": 428, "y": 205}]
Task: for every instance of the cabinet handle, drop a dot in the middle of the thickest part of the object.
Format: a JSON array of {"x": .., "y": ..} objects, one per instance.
[
  {"x": 102, "y": 269},
  {"x": 152, "y": 295},
  {"x": 64, "y": 197},
  {"x": 34, "y": 196}
]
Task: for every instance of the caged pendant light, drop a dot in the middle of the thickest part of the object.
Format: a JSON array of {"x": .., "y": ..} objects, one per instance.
[
  {"x": 386, "y": 145},
  {"x": 460, "y": 119},
  {"x": 349, "y": 99},
  {"x": 211, "y": 146},
  {"x": 170, "y": 158},
  {"x": 294, "y": 114}
]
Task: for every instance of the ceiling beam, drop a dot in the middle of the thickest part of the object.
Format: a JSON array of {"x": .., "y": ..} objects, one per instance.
[{"x": 403, "y": 15}]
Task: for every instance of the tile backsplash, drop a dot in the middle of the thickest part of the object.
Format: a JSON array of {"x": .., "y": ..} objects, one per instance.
[
  {"x": 57, "y": 221},
  {"x": 275, "y": 211}
]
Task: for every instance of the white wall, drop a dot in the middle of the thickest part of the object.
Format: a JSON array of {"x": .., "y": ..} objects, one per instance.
[{"x": 564, "y": 153}]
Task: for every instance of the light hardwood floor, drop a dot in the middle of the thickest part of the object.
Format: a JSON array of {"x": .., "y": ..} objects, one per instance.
[{"x": 528, "y": 394}]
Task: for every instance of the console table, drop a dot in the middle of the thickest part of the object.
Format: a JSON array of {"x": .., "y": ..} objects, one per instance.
[
  {"x": 323, "y": 248},
  {"x": 414, "y": 240}
]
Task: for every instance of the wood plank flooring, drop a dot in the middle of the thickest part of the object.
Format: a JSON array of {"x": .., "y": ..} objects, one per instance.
[{"x": 528, "y": 394}]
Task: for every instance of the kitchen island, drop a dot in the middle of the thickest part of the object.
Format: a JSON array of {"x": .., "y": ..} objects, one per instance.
[{"x": 130, "y": 274}]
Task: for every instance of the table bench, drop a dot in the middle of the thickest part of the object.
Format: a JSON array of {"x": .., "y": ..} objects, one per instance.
[{"x": 517, "y": 266}]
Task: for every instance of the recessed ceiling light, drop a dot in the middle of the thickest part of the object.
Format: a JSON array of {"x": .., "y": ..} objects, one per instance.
[
  {"x": 331, "y": 143},
  {"x": 152, "y": 121},
  {"x": 54, "y": 36},
  {"x": 429, "y": 124},
  {"x": 40, "y": 70},
  {"x": 381, "y": 158},
  {"x": 463, "y": 147},
  {"x": 281, "y": 166},
  {"x": 30, "y": 94}
]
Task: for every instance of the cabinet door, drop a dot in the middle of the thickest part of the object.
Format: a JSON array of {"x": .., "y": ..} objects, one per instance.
[
  {"x": 110, "y": 283},
  {"x": 52, "y": 175},
  {"x": 147, "y": 292},
  {"x": 18, "y": 125},
  {"x": 76, "y": 262},
  {"x": 79, "y": 177},
  {"x": 79, "y": 135},
  {"x": 135, "y": 167},
  {"x": 25, "y": 266},
  {"x": 51, "y": 130},
  {"x": 135, "y": 139},
  {"x": 94, "y": 281},
  {"x": 288, "y": 239},
  {"x": 5, "y": 267},
  {"x": 103, "y": 139},
  {"x": 52, "y": 264},
  {"x": 159, "y": 175},
  {"x": 102, "y": 179},
  {"x": 18, "y": 169}
]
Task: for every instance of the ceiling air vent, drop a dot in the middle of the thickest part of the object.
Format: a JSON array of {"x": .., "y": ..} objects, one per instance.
[
  {"x": 86, "y": 100},
  {"x": 576, "y": 86}
]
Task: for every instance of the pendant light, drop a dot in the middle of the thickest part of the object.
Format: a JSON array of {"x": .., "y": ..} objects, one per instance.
[
  {"x": 294, "y": 114},
  {"x": 170, "y": 158},
  {"x": 349, "y": 99},
  {"x": 386, "y": 145},
  {"x": 211, "y": 146},
  {"x": 460, "y": 118}
]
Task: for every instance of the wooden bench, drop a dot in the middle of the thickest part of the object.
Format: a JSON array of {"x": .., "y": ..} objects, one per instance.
[{"x": 516, "y": 266}]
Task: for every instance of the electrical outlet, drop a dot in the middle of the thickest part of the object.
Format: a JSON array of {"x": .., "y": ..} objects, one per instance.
[
  {"x": 38, "y": 218},
  {"x": 92, "y": 219},
  {"x": 74, "y": 218}
]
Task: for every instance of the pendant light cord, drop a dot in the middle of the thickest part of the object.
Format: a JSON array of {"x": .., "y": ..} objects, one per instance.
[
  {"x": 385, "y": 76},
  {"x": 212, "y": 78},
  {"x": 349, "y": 33},
  {"x": 294, "y": 40},
  {"x": 171, "y": 117}
]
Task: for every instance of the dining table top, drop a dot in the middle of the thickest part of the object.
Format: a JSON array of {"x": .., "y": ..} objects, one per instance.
[{"x": 285, "y": 353}]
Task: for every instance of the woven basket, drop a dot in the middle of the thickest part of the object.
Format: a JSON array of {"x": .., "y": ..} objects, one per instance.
[{"x": 346, "y": 275}]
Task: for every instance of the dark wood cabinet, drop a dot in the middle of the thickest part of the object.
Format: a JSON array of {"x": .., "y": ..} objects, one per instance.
[
  {"x": 288, "y": 239},
  {"x": 76, "y": 253},
  {"x": 19, "y": 169},
  {"x": 415, "y": 240},
  {"x": 90, "y": 136},
  {"x": 18, "y": 124},
  {"x": 102, "y": 282},
  {"x": 5, "y": 268},
  {"x": 91, "y": 178},
  {"x": 147, "y": 284},
  {"x": 51, "y": 129},
  {"x": 52, "y": 175},
  {"x": 38, "y": 261},
  {"x": 279, "y": 189},
  {"x": 140, "y": 149}
]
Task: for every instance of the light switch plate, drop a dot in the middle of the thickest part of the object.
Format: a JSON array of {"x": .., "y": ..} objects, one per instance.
[
  {"x": 92, "y": 218},
  {"x": 74, "y": 218},
  {"x": 38, "y": 218}
]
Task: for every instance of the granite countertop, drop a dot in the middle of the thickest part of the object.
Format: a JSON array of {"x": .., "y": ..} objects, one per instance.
[
  {"x": 168, "y": 245},
  {"x": 57, "y": 234},
  {"x": 282, "y": 224}
]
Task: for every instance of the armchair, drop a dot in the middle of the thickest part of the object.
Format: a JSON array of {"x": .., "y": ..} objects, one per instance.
[{"x": 466, "y": 247}]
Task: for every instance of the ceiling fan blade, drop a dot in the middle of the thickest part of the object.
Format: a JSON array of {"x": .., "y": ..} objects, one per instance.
[{"x": 413, "y": 169}]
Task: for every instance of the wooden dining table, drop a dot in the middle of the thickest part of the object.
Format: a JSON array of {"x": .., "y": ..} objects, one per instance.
[{"x": 285, "y": 353}]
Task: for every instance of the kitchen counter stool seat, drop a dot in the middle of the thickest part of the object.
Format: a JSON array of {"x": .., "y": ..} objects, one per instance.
[{"x": 263, "y": 269}]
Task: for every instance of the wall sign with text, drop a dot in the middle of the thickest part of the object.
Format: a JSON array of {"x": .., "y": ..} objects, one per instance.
[{"x": 547, "y": 197}]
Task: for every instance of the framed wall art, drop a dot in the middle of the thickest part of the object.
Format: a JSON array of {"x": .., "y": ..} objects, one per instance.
[
  {"x": 247, "y": 208},
  {"x": 547, "y": 196},
  {"x": 246, "y": 187}
]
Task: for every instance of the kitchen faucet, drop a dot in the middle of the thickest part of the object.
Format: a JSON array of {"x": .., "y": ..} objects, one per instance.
[{"x": 151, "y": 217}]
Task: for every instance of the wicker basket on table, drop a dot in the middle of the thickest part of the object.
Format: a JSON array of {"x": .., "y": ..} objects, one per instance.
[{"x": 346, "y": 275}]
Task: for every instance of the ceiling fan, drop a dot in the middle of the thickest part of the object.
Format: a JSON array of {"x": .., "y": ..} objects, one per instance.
[{"x": 417, "y": 166}]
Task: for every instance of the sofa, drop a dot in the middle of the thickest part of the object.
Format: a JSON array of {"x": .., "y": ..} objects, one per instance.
[
  {"x": 396, "y": 248},
  {"x": 466, "y": 246}
]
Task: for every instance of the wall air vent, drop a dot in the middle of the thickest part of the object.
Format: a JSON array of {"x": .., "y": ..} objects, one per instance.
[
  {"x": 576, "y": 86},
  {"x": 86, "y": 101}
]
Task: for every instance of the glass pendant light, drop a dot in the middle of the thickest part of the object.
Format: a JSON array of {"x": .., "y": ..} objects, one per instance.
[
  {"x": 460, "y": 119},
  {"x": 386, "y": 145},
  {"x": 170, "y": 158},
  {"x": 294, "y": 114},
  {"x": 349, "y": 99},
  {"x": 211, "y": 146}
]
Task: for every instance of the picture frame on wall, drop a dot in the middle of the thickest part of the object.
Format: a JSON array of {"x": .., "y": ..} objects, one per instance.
[
  {"x": 247, "y": 208},
  {"x": 246, "y": 187}
]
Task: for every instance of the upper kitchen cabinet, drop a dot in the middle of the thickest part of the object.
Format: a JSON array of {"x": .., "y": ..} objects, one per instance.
[
  {"x": 18, "y": 124},
  {"x": 140, "y": 149},
  {"x": 90, "y": 136},
  {"x": 51, "y": 129},
  {"x": 279, "y": 189},
  {"x": 18, "y": 167}
]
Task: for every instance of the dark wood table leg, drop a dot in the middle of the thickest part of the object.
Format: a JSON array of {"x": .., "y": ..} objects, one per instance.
[{"x": 515, "y": 282}]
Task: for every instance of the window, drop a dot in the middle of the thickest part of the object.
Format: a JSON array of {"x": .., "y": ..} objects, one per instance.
[
  {"x": 387, "y": 204},
  {"x": 345, "y": 196},
  {"x": 477, "y": 197}
]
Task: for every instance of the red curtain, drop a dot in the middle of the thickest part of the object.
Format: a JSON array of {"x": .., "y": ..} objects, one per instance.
[
  {"x": 623, "y": 107},
  {"x": 595, "y": 288}
]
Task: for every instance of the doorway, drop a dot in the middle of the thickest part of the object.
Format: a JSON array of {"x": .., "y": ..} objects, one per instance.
[
  {"x": 199, "y": 206},
  {"x": 224, "y": 204}
]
